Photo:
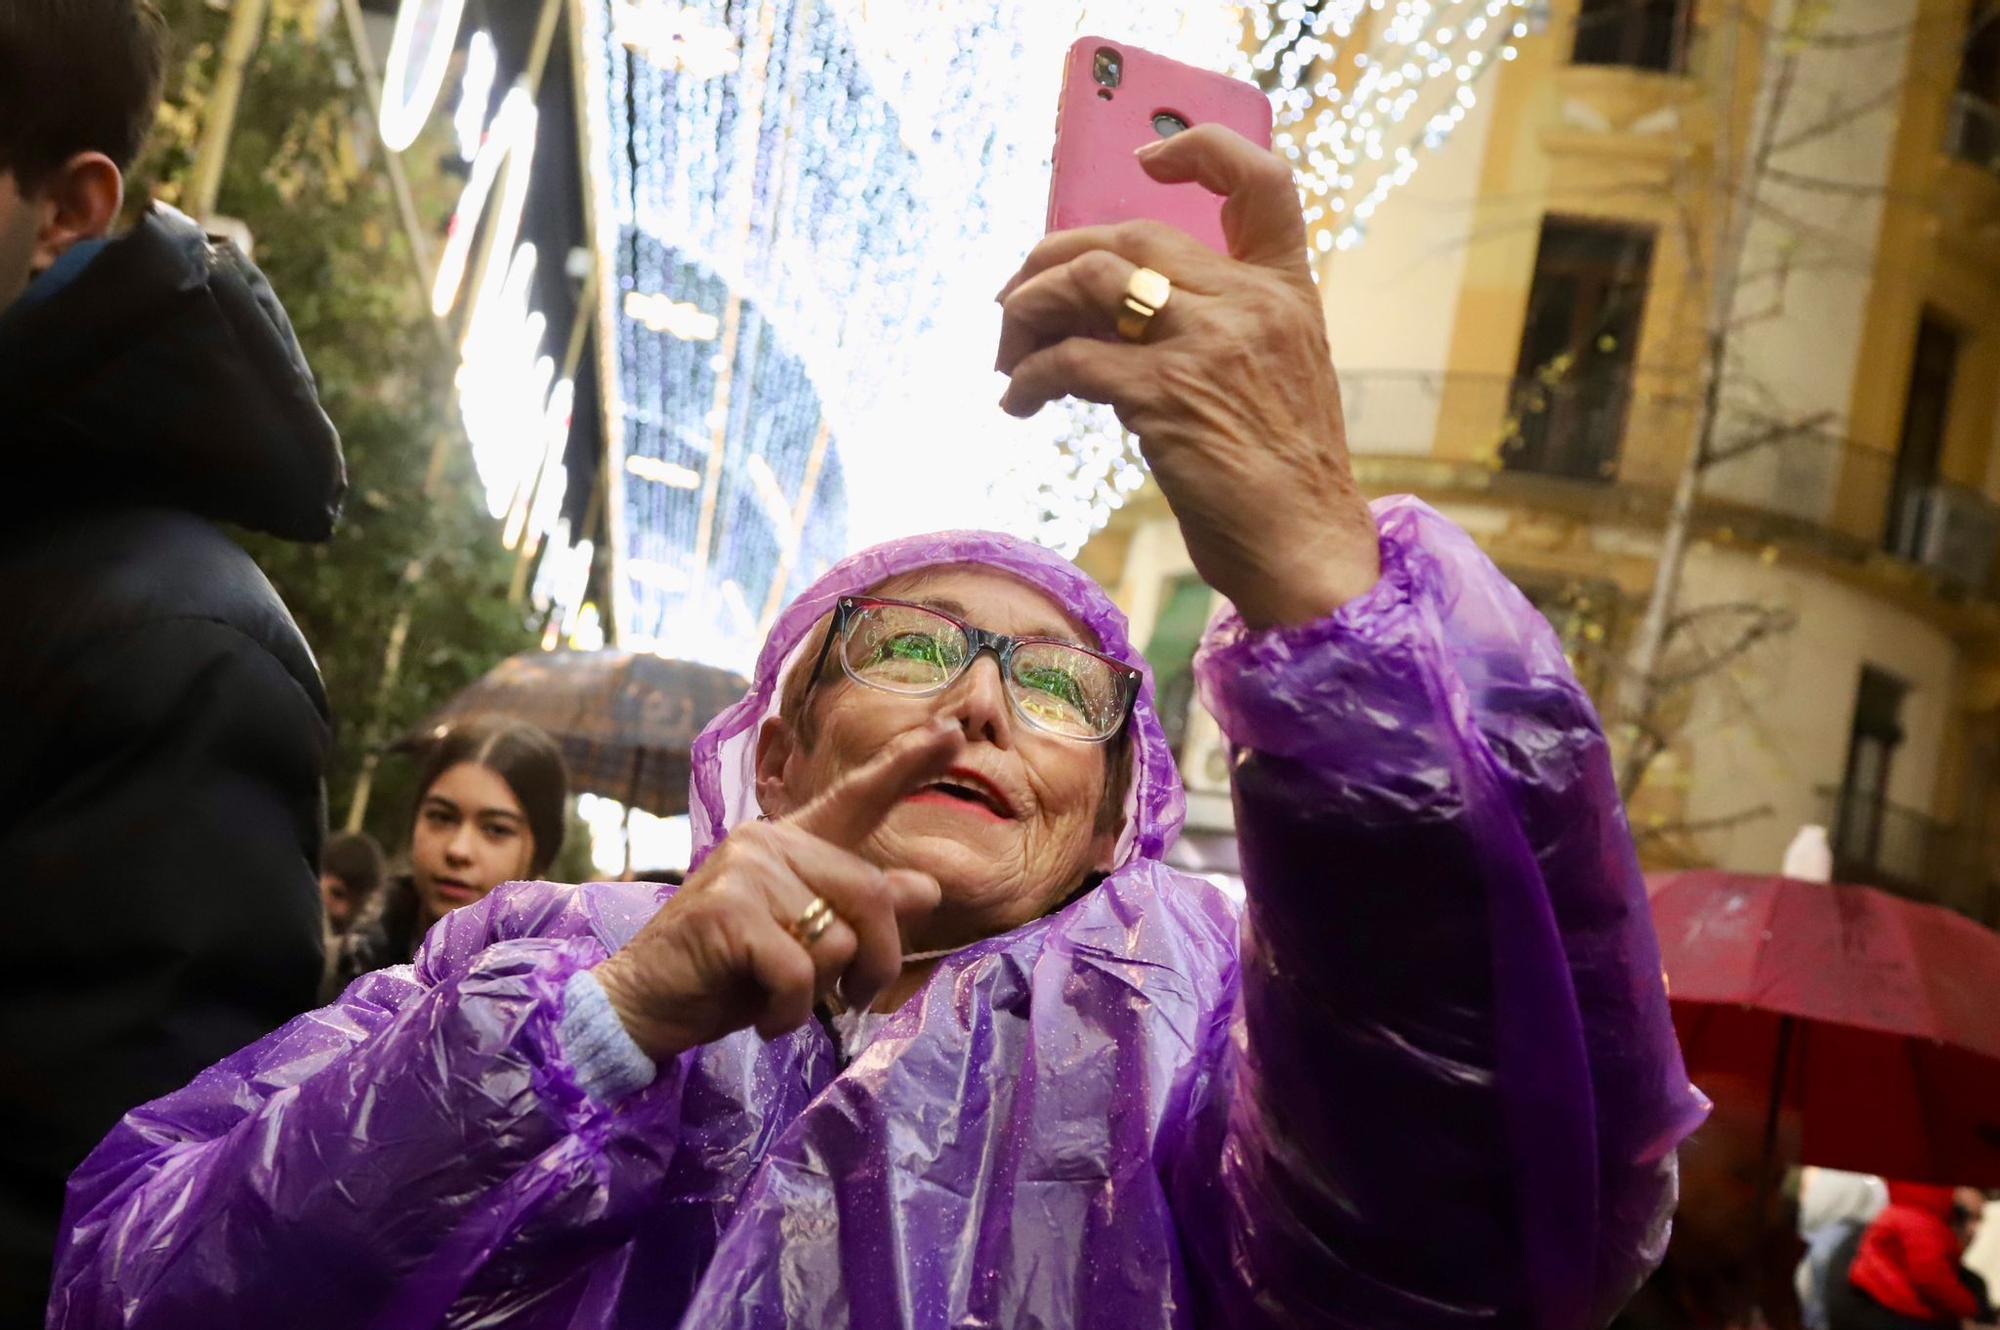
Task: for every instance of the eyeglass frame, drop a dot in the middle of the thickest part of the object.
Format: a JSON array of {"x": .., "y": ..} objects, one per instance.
[{"x": 980, "y": 640}]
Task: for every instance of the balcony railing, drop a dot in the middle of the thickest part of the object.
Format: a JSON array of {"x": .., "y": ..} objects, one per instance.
[
  {"x": 1572, "y": 428},
  {"x": 1904, "y": 852},
  {"x": 1634, "y": 431},
  {"x": 1972, "y": 134}
]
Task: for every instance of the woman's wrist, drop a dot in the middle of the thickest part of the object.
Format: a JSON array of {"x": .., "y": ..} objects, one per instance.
[
  {"x": 1315, "y": 574},
  {"x": 656, "y": 1038}
]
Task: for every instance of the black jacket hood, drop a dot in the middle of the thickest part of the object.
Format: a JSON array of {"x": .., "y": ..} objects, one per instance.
[{"x": 167, "y": 373}]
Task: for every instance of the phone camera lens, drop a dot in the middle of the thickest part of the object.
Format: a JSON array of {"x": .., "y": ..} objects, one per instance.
[
  {"x": 1108, "y": 68},
  {"x": 1166, "y": 124}
]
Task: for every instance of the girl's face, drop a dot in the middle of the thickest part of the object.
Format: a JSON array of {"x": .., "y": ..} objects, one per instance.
[{"x": 470, "y": 837}]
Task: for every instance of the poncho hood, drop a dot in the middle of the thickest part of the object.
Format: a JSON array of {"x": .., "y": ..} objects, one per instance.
[{"x": 725, "y": 755}]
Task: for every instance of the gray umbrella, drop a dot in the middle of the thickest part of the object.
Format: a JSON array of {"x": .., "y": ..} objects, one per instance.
[{"x": 625, "y": 721}]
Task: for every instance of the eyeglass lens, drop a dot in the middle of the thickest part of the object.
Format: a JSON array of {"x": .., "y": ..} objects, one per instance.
[{"x": 1056, "y": 687}]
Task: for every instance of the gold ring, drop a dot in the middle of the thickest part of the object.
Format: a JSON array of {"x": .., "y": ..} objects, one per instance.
[
  {"x": 1146, "y": 294},
  {"x": 813, "y": 921}
]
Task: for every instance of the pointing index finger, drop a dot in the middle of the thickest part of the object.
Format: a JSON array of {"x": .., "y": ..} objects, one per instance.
[{"x": 856, "y": 805}]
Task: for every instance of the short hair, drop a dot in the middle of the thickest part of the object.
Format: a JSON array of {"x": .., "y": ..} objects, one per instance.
[
  {"x": 520, "y": 754},
  {"x": 354, "y": 858},
  {"x": 77, "y": 76},
  {"x": 795, "y": 695}
]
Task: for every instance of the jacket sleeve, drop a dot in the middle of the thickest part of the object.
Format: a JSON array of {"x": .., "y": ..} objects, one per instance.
[
  {"x": 160, "y": 816},
  {"x": 371, "y": 1154},
  {"x": 1931, "y": 1257},
  {"x": 1449, "y": 1092}
]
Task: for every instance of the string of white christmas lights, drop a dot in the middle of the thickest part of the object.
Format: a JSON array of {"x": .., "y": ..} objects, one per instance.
[
  {"x": 1351, "y": 81},
  {"x": 809, "y": 204}
]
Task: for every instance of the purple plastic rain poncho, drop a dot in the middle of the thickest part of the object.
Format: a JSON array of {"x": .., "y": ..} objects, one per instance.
[{"x": 1427, "y": 1079}]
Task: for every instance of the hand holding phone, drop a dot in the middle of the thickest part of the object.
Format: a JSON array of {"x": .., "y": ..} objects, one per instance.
[
  {"x": 1116, "y": 99},
  {"x": 1177, "y": 288}
]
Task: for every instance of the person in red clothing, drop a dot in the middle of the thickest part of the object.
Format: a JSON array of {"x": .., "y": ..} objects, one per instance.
[{"x": 1908, "y": 1260}]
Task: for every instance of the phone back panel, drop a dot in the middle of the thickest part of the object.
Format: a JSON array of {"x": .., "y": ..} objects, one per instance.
[{"x": 1096, "y": 179}]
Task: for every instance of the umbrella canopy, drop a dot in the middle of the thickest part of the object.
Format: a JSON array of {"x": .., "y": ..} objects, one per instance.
[
  {"x": 625, "y": 721},
  {"x": 1875, "y": 1018}
]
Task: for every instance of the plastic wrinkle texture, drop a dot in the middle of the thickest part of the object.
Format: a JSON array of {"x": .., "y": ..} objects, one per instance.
[{"x": 1426, "y": 1079}]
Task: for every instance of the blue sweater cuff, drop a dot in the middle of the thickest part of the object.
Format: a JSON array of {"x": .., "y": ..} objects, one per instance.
[{"x": 609, "y": 1064}]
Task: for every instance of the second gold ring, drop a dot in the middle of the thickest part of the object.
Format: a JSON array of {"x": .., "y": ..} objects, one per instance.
[{"x": 813, "y": 921}]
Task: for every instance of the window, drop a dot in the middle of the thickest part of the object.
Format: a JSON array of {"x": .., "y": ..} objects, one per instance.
[
  {"x": 1974, "y": 130},
  {"x": 1873, "y": 737},
  {"x": 1573, "y": 378},
  {"x": 1926, "y": 409},
  {"x": 1184, "y": 608},
  {"x": 1639, "y": 34}
]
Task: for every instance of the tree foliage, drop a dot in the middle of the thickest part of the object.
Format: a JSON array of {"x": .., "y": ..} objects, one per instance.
[{"x": 305, "y": 175}]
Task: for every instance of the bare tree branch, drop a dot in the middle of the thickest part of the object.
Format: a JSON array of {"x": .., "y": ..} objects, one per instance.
[
  {"x": 1804, "y": 427},
  {"x": 1835, "y": 41},
  {"x": 1721, "y": 609},
  {"x": 1845, "y": 188},
  {"x": 1768, "y": 622},
  {"x": 1824, "y": 235},
  {"x": 1842, "y": 118}
]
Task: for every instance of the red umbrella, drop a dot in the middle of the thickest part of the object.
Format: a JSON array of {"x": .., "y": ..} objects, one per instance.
[{"x": 1876, "y": 1018}]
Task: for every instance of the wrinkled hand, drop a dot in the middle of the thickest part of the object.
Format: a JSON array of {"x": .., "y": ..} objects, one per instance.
[
  {"x": 1232, "y": 394},
  {"x": 719, "y": 957}
]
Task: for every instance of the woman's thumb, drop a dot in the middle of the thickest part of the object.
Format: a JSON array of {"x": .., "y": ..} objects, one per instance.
[{"x": 1261, "y": 216}]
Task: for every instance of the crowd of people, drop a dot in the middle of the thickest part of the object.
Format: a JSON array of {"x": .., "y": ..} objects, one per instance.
[
  {"x": 1836, "y": 1251},
  {"x": 1890, "y": 1256},
  {"x": 931, "y": 1034}
]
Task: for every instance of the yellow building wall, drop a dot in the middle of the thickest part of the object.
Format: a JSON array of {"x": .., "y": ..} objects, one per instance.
[
  {"x": 1772, "y": 730},
  {"x": 1822, "y": 158},
  {"x": 1940, "y": 248},
  {"x": 1605, "y": 144},
  {"x": 1864, "y": 221},
  {"x": 1391, "y": 303}
]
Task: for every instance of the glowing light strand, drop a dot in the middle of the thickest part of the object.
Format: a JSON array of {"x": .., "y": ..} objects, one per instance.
[
  {"x": 861, "y": 177},
  {"x": 419, "y": 58},
  {"x": 1357, "y": 88}
]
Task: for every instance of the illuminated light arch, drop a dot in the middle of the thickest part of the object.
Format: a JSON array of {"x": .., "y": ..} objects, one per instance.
[
  {"x": 516, "y": 412},
  {"x": 419, "y": 57},
  {"x": 860, "y": 176},
  {"x": 482, "y": 66},
  {"x": 504, "y": 156}
]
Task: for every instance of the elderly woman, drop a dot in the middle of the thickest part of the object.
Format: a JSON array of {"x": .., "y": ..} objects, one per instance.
[{"x": 1425, "y": 1078}]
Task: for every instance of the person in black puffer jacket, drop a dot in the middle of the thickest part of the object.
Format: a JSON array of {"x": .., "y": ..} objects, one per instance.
[{"x": 163, "y": 729}]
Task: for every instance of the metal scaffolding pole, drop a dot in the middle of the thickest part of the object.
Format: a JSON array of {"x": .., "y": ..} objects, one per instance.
[{"x": 246, "y": 25}]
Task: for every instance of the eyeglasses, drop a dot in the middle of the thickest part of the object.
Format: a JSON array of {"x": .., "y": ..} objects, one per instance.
[{"x": 1055, "y": 686}]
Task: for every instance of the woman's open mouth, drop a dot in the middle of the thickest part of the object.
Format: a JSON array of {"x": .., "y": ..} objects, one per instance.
[{"x": 966, "y": 791}]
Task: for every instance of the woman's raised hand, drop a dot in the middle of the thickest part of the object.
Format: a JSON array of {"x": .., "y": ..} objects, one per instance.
[
  {"x": 723, "y": 955},
  {"x": 1232, "y": 392}
]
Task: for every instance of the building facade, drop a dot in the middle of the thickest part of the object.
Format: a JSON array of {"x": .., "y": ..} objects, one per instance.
[{"x": 1761, "y": 239}]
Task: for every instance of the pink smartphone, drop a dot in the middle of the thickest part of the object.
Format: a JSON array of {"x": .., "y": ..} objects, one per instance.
[{"x": 1116, "y": 98}]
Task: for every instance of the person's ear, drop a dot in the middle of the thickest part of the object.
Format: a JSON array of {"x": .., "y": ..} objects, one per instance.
[
  {"x": 79, "y": 200},
  {"x": 778, "y": 748},
  {"x": 1104, "y": 850}
]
